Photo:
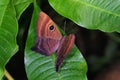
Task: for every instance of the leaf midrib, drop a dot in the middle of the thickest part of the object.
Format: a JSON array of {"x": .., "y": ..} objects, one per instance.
[
  {"x": 5, "y": 8},
  {"x": 98, "y": 8}
]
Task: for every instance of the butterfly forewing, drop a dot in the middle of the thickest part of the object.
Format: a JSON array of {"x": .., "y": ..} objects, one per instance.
[{"x": 48, "y": 35}]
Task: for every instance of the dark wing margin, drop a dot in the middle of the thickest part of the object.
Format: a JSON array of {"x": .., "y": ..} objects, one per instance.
[
  {"x": 64, "y": 48},
  {"x": 45, "y": 46}
]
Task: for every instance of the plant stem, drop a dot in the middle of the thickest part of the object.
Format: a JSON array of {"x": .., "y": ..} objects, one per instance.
[{"x": 8, "y": 76}]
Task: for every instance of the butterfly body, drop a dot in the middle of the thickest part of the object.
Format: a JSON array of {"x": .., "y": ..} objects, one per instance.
[{"x": 49, "y": 39}]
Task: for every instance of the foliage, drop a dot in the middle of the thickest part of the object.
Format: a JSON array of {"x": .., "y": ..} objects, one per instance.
[
  {"x": 43, "y": 67},
  {"x": 91, "y": 14},
  {"x": 8, "y": 32},
  {"x": 10, "y": 13}
]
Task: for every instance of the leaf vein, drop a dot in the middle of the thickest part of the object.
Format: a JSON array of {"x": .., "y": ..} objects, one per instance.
[{"x": 101, "y": 9}]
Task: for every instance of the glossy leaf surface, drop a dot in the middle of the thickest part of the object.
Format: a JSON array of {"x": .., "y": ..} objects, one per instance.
[
  {"x": 92, "y": 14},
  {"x": 8, "y": 33}
]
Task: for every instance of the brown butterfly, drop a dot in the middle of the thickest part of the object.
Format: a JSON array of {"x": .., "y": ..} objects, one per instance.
[{"x": 49, "y": 39}]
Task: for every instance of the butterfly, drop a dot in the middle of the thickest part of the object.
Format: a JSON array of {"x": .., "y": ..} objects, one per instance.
[{"x": 49, "y": 40}]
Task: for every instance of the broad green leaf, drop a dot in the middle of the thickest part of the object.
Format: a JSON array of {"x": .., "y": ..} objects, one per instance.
[
  {"x": 40, "y": 67},
  {"x": 8, "y": 32},
  {"x": 20, "y": 6},
  {"x": 92, "y": 14}
]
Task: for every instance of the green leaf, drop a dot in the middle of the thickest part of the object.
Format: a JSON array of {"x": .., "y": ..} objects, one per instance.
[
  {"x": 92, "y": 14},
  {"x": 40, "y": 67},
  {"x": 8, "y": 32},
  {"x": 20, "y": 6}
]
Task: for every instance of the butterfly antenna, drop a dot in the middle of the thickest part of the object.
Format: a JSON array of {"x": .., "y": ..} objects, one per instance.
[{"x": 65, "y": 25}]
